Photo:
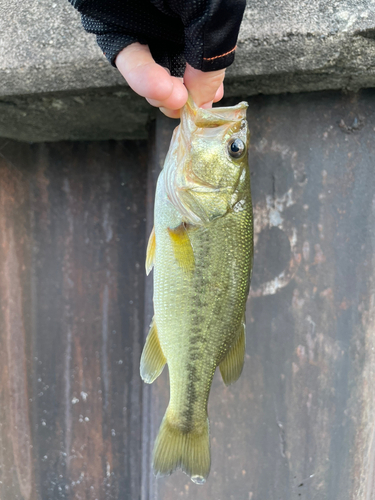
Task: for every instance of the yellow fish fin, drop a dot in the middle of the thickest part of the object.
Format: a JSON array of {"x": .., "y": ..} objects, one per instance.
[
  {"x": 152, "y": 359},
  {"x": 183, "y": 251},
  {"x": 188, "y": 450},
  {"x": 232, "y": 364},
  {"x": 150, "y": 255}
]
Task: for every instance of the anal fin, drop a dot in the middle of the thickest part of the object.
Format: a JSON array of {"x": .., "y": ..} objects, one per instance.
[
  {"x": 150, "y": 254},
  {"x": 232, "y": 365},
  {"x": 152, "y": 359},
  {"x": 183, "y": 251}
]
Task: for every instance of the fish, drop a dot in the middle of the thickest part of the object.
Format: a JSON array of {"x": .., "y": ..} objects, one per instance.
[{"x": 201, "y": 251}]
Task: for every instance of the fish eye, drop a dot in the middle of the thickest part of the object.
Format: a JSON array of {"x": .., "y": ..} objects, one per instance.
[{"x": 236, "y": 148}]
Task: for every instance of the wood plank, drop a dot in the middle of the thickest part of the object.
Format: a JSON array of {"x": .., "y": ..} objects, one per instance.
[
  {"x": 75, "y": 419},
  {"x": 300, "y": 421},
  {"x": 17, "y": 470},
  {"x": 72, "y": 263}
]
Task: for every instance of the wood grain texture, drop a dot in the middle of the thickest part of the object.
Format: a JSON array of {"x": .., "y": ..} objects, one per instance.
[
  {"x": 300, "y": 421},
  {"x": 76, "y": 422},
  {"x": 16, "y": 468},
  {"x": 72, "y": 285}
]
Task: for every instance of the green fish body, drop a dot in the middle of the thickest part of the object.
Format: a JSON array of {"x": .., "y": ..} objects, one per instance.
[{"x": 202, "y": 250}]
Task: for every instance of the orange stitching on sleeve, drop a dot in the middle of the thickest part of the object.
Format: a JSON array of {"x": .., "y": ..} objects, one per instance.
[{"x": 222, "y": 55}]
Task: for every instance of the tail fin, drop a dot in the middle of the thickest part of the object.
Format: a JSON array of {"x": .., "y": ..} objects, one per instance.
[{"x": 188, "y": 450}]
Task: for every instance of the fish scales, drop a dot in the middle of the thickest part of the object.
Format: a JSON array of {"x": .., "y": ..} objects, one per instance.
[
  {"x": 202, "y": 253},
  {"x": 208, "y": 333}
]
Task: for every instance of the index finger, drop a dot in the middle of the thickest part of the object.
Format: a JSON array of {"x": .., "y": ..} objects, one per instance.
[{"x": 204, "y": 87}]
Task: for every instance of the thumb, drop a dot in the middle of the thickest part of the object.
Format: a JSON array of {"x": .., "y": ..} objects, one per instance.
[
  {"x": 150, "y": 80},
  {"x": 203, "y": 86}
]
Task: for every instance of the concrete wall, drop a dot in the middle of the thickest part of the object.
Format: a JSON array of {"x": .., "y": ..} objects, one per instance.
[{"x": 55, "y": 83}]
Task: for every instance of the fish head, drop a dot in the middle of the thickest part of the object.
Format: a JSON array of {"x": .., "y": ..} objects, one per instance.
[{"x": 207, "y": 168}]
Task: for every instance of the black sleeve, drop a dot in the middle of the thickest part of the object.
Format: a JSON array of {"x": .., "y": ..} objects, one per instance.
[{"x": 202, "y": 32}]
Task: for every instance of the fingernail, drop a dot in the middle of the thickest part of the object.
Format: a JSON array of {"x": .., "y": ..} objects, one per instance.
[
  {"x": 153, "y": 102},
  {"x": 171, "y": 113},
  {"x": 207, "y": 105}
]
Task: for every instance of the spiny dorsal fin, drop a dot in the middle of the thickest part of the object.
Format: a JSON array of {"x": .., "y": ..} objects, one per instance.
[
  {"x": 150, "y": 255},
  {"x": 153, "y": 359},
  {"x": 232, "y": 364},
  {"x": 183, "y": 251}
]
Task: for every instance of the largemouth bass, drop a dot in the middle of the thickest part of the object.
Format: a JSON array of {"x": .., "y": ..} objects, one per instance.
[{"x": 201, "y": 249}]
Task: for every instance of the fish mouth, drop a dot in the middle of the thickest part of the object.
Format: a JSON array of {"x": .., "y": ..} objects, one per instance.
[
  {"x": 214, "y": 117},
  {"x": 181, "y": 182}
]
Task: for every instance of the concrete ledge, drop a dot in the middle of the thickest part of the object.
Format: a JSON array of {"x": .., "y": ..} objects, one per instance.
[
  {"x": 100, "y": 114},
  {"x": 56, "y": 84}
]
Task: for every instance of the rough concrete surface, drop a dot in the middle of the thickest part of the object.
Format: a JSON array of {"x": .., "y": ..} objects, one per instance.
[
  {"x": 100, "y": 114},
  {"x": 284, "y": 46}
]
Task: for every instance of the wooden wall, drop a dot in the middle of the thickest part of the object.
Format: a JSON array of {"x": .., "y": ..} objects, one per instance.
[{"x": 76, "y": 422}]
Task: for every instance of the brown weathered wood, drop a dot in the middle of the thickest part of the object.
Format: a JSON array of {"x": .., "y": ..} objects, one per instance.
[
  {"x": 76, "y": 422},
  {"x": 300, "y": 421},
  {"x": 17, "y": 470},
  {"x": 72, "y": 287},
  {"x": 160, "y": 136}
]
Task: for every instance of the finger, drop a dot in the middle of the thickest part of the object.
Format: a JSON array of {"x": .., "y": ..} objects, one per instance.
[
  {"x": 218, "y": 96},
  {"x": 219, "y": 93},
  {"x": 149, "y": 79},
  {"x": 203, "y": 86},
  {"x": 177, "y": 98},
  {"x": 171, "y": 113},
  {"x": 143, "y": 75},
  {"x": 176, "y": 113}
]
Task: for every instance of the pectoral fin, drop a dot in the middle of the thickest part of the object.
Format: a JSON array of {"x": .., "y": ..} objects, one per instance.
[
  {"x": 183, "y": 251},
  {"x": 232, "y": 364},
  {"x": 150, "y": 255},
  {"x": 153, "y": 359}
]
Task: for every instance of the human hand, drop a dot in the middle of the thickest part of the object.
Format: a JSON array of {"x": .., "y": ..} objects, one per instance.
[{"x": 169, "y": 93}]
